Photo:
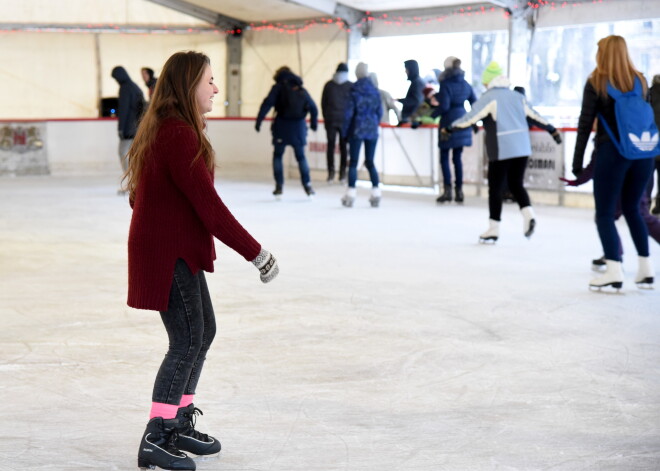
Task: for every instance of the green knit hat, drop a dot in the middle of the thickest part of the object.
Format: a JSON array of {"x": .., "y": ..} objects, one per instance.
[{"x": 493, "y": 70}]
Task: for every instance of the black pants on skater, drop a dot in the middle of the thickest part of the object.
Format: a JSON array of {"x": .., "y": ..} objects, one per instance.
[
  {"x": 499, "y": 172},
  {"x": 190, "y": 324},
  {"x": 333, "y": 131}
]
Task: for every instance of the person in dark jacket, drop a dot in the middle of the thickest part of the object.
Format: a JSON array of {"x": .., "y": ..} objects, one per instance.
[
  {"x": 361, "y": 124},
  {"x": 129, "y": 110},
  {"x": 508, "y": 145},
  {"x": 292, "y": 103},
  {"x": 615, "y": 177},
  {"x": 149, "y": 80},
  {"x": 333, "y": 106},
  {"x": 454, "y": 92},
  {"x": 415, "y": 95},
  {"x": 654, "y": 95}
]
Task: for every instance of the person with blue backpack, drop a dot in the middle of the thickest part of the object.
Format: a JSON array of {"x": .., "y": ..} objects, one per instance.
[
  {"x": 626, "y": 143},
  {"x": 292, "y": 103}
]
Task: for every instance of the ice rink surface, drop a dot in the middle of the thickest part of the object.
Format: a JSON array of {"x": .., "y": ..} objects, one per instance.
[{"x": 391, "y": 341}]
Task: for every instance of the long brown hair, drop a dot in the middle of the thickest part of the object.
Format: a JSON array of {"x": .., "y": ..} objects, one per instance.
[
  {"x": 613, "y": 65},
  {"x": 173, "y": 97}
]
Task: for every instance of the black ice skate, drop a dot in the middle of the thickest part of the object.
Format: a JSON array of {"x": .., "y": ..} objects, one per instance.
[
  {"x": 191, "y": 440},
  {"x": 158, "y": 449},
  {"x": 277, "y": 192},
  {"x": 310, "y": 191}
]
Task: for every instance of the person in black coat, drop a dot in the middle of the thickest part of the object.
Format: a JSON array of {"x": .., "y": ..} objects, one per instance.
[
  {"x": 454, "y": 92},
  {"x": 333, "y": 104},
  {"x": 415, "y": 95},
  {"x": 129, "y": 111},
  {"x": 654, "y": 94},
  {"x": 292, "y": 103}
]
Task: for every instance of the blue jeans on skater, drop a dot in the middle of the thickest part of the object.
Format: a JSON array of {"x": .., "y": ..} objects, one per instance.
[
  {"x": 190, "y": 325},
  {"x": 369, "y": 151},
  {"x": 457, "y": 152},
  {"x": 278, "y": 167},
  {"x": 617, "y": 177}
]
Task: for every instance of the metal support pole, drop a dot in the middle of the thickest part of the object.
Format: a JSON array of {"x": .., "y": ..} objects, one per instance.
[{"x": 234, "y": 53}]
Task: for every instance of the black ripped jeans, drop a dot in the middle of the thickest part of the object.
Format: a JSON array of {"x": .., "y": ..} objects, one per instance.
[{"x": 190, "y": 324}]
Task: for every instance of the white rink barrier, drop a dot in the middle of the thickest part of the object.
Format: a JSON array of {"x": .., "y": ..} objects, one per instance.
[{"x": 404, "y": 156}]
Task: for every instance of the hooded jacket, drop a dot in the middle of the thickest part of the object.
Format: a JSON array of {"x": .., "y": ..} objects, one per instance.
[
  {"x": 288, "y": 131},
  {"x": 334, "y": 98},
  {"x": 131, "y": 103},
  {"x": 454, "y": 92},
  {"x": 504, "y": 114},
  {"x": 414, "y": 96}
]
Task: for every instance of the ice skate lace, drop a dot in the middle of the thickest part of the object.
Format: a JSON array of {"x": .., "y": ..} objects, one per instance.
[{"x": 192, "y": 419}]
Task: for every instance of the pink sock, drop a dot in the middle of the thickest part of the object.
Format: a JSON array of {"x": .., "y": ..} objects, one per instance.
[
  {"x": 186, "y": 400},
  {"x": 166, "y": 411}
]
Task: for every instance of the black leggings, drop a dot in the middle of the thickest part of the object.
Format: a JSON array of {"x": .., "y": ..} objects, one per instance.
[
  {"x": 498, "y": 173},
  {"x": 190, "y": 324}
]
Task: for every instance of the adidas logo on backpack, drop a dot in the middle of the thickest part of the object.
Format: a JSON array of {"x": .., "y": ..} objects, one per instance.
[
  {"x": 638, "y": 133},
  {"x": 645, "y": 142}
]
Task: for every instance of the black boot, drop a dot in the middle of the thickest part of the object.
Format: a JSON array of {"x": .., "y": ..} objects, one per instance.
[
  {"x": 278, "y": 190},
  {"x": 331, "y": 176},
  {"x": 459, "y": 195},
  {"x": 158, "y": 448},
  {"x": 446, "y": 196},
  {"x": 191, "y": 440}
]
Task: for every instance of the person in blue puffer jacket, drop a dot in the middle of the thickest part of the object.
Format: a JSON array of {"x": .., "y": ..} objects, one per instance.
[
  {"x": 454, "y": 92},
  {"x": 361, "y": 124},
  {"x": 504, "y": 114}
]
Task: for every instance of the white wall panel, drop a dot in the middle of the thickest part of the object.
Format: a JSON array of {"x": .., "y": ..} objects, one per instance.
[
  {"x": 314, "y": 54},
  {"x": 47, "y": 75}
]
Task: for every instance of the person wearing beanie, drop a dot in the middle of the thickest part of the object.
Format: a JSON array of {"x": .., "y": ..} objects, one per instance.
[
  {"x": 333, "y": 105},
  {"x": 361, "y": 124},
  {"x": 454, "y": 92},
  {"x": 415, "y": 96},
  {"x": 292, "y": 103},
  {"x": 504, "y": 114}
]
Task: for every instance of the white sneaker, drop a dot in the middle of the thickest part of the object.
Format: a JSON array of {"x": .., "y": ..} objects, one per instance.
[
  {"x": 613, "y": 276},
  {"x": 492, "y": 234}
]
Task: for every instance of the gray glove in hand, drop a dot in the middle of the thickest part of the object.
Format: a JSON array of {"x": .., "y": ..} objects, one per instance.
[{"x": 267, "y": 265}]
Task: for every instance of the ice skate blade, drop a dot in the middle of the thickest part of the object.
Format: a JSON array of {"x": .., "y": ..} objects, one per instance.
[
  {"x": 212, "y": 457},
  {"x": 646, "y": 283},
  {"x": 490, "y": 240},
  {"x": 617, "y": 285}
]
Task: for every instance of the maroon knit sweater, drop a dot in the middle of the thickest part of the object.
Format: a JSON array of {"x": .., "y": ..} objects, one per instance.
[{"x": 176, "y": 213}]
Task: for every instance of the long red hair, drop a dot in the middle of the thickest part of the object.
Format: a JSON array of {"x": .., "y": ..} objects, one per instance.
[
  {"x": 173, "y": 97},
  {"x": 613, "y": 64}
]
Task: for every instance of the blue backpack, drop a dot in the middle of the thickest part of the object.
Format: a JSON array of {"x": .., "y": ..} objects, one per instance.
[{"x": 638, "y": 133}]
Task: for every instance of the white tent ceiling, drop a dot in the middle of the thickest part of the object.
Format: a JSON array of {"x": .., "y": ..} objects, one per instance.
[{"x": 279, "y": 10}]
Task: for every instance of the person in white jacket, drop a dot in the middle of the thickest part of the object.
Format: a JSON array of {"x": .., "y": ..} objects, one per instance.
[{"x": 504, "y": 114}]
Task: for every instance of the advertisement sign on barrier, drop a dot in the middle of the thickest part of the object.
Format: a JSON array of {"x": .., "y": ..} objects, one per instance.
[{"x": 22, "y": 149}]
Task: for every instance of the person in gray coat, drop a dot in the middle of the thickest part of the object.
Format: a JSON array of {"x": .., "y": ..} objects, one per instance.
[
  {"x": 129, "y": 111},
  {"x": 333, "y": 104}
]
